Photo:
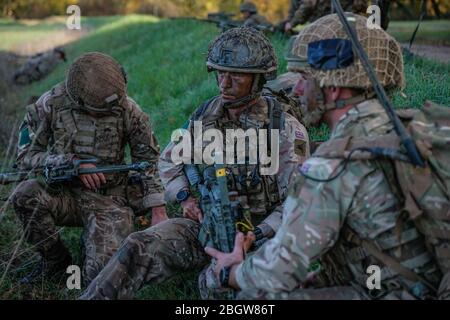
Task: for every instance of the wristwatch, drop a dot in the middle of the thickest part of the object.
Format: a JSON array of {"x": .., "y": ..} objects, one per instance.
[
  {"x": 182, "y": 195},
  {"x": 224, "y": 276}
]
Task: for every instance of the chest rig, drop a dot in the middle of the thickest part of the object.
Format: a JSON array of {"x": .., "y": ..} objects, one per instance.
[
  {"x": 78, "y": 132},
  {"x": 259, "y": 193}
]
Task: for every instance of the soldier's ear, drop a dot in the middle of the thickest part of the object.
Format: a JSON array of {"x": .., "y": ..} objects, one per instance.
[{"x": 124, "y": 73}]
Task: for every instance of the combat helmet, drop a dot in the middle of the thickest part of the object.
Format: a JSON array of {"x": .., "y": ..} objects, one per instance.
[
  {"x": 244, "y": 50},
  {"x": 383, "y": 51},
  {"x": 96, "y": 82},
  {"x": 249, "y": 7},
  {"x": 325, "y": 46}
]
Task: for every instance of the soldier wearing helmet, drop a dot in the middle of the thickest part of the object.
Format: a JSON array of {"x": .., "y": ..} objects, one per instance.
[
  {"x": 284, "y": 87},
  {"x": 303, "y": 11},
  {"x": 343, "y": 217},
  {"x": 242, "y": 60},
  {"x": 252, "y": 18},
  {"x": 88, "y": 116}
]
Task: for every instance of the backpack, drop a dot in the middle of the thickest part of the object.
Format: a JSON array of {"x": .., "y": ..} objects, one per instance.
[{"x": 424, "y": 192}]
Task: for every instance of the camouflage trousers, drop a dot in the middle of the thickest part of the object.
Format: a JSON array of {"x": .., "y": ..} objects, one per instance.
[
  {"x": 106, "y": 221},
  {"x": 150, "y": 256},
  {"x": 327, "y": 293},
  {"x": 332, "y": 293}
]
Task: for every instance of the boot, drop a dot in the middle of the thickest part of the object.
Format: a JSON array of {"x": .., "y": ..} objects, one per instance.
[{"x": 52, "y": 266}]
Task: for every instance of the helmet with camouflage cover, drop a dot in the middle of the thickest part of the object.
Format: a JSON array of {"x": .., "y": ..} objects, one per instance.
[
  {"x": 383, "y": 51},
  {"x": 294, "y": 62},
  {"x": 95, "y": 82},
  {"x": 249, "y": 7},
  {"x": 244, "y": 50},
  {"x": 335, "y": 69}
]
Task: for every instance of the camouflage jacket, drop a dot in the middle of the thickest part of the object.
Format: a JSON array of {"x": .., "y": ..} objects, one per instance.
[
  {"x": 293, "y": 150},
  {"x": 54, "y": 133},
  {"x": 318, "y": 216},
  {"x": 303, "y": 11},
  {"x": 256, "y": 20}
]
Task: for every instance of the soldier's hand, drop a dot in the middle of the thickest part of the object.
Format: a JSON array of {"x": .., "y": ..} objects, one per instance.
[
  {"x": 224, "y": 260},
  {"x": 92, "y": 181},
  {"x": 159, "y": 214},
  {"x": 191, "y": 210}
]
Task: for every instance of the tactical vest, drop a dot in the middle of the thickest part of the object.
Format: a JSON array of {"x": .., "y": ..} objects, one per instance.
[
  {"x": 80, "y": 133},
  {"x": 261, "y": 193}
]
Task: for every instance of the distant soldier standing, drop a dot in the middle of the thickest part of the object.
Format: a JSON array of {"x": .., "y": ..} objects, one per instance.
[
  {"x": 39, "y": 66},
  {"x": 89, "y": 116},
  {"x": 251, "y": 16}
]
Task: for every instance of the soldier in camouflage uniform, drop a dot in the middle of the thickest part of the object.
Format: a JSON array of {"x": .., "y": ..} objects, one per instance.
[
  {"x": 243, "y": 59},
  {"x": 88, "y": 116},
  {"x": 288, "y": 86},
  {"x": 39, "y": 66},
  {"x": 303, "y": 11},
  {"x": 341, "y": 212},
  {"x": 251, "y": 16}
]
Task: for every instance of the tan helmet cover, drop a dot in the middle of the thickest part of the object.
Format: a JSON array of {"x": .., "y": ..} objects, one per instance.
[
  {"x": 384, "y": 53},
  {"x": 95, "y": 80},
  {"x": 248, "y": 6}
]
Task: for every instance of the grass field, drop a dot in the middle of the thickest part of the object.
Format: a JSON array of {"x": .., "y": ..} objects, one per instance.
[{"x": 167, "y": 77}]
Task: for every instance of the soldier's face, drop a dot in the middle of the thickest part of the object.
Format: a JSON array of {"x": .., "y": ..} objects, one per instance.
[
  {"x": 233, "y": 85},
  {"x": 299, "y": 88},
  {"x": 245, "y": 14}
]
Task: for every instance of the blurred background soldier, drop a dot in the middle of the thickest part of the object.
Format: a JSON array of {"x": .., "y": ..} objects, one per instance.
[
  {"x": 39, "y": 66},
  {"x": 251, "y": 16}
]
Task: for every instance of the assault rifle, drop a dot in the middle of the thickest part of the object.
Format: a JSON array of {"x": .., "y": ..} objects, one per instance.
[
  {"x": 65, "y": 173},
  {"x": 223, "y": 21},
  {"x": 223, "y": 214}
]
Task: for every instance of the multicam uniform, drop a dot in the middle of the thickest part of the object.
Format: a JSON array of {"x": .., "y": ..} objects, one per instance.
[
  {"x": 66, "y": 132},
  {"x": 155, "y": 254}
]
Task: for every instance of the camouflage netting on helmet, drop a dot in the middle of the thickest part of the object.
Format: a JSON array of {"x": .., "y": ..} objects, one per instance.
[
  {"x": 248, "y": 7},
  {"x": 245, "y": 50},
  {"x": 295, "y": 63},
  {"x": 93, "y": 78},
  {"x": 383, "y": 51}
]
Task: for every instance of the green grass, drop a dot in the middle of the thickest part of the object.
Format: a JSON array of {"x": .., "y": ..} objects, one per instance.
[
  {"x": 430, "y": 32},
  {"x": 165, "y": 61}
]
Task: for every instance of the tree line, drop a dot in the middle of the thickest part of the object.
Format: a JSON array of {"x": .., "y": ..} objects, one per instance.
[{"x": 275, "y": 10}]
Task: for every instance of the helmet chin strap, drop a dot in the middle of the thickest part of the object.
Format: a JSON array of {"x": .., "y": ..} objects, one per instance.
[
  {"x": 255, "y": 93},
  {"x": 340, "y": 103}
]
